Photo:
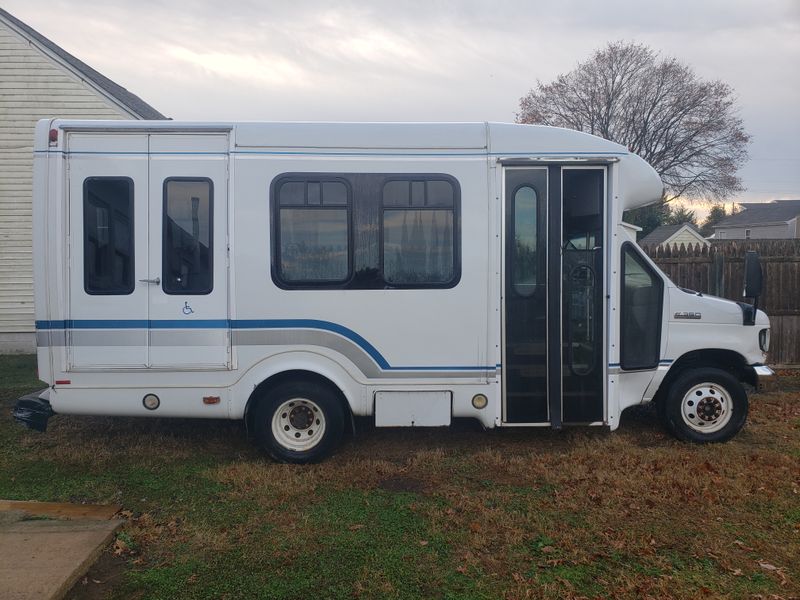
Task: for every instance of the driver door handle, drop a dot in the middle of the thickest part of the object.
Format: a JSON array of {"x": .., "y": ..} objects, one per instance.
[{"x": 156, "y": 281}]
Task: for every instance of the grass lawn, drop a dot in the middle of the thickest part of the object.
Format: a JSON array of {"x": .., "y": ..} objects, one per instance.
[{"x": 582, "y": 513}]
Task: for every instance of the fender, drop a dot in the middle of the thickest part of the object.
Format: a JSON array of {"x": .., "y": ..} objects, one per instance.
[
  {"x": 300, "y": 360},
  {"x": 727, "y": 360}
]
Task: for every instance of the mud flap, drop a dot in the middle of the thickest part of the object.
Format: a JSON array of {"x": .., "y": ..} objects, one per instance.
[{"x": 33, "y": 410}]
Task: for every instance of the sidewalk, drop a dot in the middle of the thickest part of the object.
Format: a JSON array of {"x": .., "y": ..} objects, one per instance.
[{"x": 43, "y": 558}]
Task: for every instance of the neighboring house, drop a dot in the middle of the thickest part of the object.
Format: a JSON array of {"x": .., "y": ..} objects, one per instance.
[
  {"x": 38, "y": 80},
  {"x": 774, "y": 220},
  {"x": 673, "y": 235}
]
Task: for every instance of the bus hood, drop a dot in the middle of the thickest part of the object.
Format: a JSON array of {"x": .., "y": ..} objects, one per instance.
[{"x": 688, "y": 305}]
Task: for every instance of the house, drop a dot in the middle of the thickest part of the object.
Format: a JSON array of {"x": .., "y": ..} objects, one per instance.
[
  {"x": 38, "y": 80},
  {"x": 761, "y": 220},
  {"x": 673, "y": 235}
]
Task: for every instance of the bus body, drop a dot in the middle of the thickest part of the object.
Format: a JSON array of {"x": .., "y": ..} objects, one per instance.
[{"x": 298, "y": 274}]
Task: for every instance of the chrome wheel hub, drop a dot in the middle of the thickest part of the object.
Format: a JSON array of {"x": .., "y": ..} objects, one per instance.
[
  {"x": 707, "y": 407},
  {"x": 298, "y": 424}
]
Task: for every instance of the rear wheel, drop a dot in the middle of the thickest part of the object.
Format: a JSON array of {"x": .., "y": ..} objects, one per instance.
[
  {"x": 705, "y": 405},
  {"x": 299, "y": 422}
]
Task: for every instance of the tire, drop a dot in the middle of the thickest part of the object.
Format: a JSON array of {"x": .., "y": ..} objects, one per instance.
[
  {"x": 299, "y": 422},
  {"x": 705, "y": 405}
]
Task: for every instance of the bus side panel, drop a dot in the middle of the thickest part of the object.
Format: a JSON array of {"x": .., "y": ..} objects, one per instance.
[{"x": 394, "y": 338}]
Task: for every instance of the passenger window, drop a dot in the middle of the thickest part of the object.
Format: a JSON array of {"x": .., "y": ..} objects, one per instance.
[
  {"x": 642, "y": 300},
  {"x": 365, "y": 230},
  {"x": 108, "y": 236},
  {"x": 418, "y": 232},
  {"x": 525, "y": 262},
  {"x": 313, "y": 230},
  {"x": 187, "y": 247}
]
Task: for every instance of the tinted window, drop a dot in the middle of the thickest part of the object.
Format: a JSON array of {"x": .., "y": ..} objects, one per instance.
[
  {"x": 525, "y": 263},
  {"x": 108, "y": 235},
  {"x": 187, "y": 252},
  {"x": 642, "y": 296},
  {"x": 365, "y": 230},
  {"x": 417, "y": 246},
  {"x": 313, "y": 230},
  {"x": 418, "y": 232}
]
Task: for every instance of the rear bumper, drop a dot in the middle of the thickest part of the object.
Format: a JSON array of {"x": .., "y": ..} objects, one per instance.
[
  {"x": 767, "y": 380},
  {"x": 33, "y": 410}
]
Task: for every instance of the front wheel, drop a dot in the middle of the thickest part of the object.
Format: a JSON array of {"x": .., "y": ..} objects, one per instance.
[
  {"x": 705, "y": 405},
  {"x": 299, "y": 422}
]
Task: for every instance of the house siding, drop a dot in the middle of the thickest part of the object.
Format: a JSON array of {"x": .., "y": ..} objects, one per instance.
[
  {"x": 32, "y": 86},
  {"x": 686, "y": 237},
  {"x": 757, "y": 232}
]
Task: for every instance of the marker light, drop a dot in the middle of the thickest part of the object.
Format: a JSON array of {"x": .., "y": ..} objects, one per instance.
[
  {"x": 151, "y": 402},
  {"x": 763, "y": 340},
  {"x": 53, "y": 137},
  {"x": 479, "y": 401}
]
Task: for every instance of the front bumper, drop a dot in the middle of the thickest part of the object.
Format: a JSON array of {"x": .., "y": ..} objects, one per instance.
[{"x": 767, "y": 380}]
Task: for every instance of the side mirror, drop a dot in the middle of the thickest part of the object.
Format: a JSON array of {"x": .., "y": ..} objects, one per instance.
[{"x": 753, "y": 277}]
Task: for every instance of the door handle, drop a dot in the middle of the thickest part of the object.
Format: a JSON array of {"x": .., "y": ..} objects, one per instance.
[{"x": 157, "y": 280}]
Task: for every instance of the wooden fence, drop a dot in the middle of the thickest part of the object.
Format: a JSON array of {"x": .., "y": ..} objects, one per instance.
[{"x": 719, "y": 270}]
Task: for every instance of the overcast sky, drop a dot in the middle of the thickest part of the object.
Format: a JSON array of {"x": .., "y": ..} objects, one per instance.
[{"x": 434, "y": 60}]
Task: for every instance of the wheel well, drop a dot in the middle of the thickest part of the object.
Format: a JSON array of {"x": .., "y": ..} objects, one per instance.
[
  {"x": 726, "y": 360},
  {"x": 263, "y": 388}
]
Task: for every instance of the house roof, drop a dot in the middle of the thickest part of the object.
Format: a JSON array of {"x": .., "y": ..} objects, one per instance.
[
  {"x": 118, "y": 93},
  {"x": 762, "y": 213},
  {"x": 662, "y": 233}
]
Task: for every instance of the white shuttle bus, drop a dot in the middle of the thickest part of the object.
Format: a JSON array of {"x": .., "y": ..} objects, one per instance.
[{"x": 297, "y": 275}]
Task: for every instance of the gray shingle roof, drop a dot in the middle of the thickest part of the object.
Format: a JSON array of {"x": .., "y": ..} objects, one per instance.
[
  {"x": 762, "y": 213},
  {"x": 661, "y": 234},
  {"x": 131, "y": 101}
]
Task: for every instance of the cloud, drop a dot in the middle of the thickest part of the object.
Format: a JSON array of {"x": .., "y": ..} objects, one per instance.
[
  {"x": 426, "y": 60},
  {"x": 269, "y": 68}
]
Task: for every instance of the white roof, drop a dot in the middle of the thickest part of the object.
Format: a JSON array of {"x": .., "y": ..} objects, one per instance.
[{"x": 639, "y": 182}]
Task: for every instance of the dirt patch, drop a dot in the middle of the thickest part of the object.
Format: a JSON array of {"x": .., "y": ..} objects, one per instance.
[{"x": 101, "y": 579}]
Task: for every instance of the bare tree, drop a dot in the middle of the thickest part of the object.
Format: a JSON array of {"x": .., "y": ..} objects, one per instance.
[{"x": 687, "y": 128}]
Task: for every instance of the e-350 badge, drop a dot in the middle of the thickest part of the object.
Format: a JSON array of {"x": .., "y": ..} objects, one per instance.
[{"x": 688, "y": 315}]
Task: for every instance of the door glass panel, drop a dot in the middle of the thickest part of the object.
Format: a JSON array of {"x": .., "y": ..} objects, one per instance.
[
  {"x": 187, "y": 237},
  {"x": 108, "y": 235},
  {"x": 582, "y": 293},
  {"x": 525, "y": 356},
  {"x": 525, "y": 267}
]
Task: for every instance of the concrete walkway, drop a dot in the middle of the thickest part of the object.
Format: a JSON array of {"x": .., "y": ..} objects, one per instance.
[{"x": 42, "y": 559}]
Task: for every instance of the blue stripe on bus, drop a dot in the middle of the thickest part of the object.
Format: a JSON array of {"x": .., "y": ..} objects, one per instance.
[
  {"x": 260, "y": 324},
  {"x": 128, "y": 153},
  {"x": 247, "y": 324}
]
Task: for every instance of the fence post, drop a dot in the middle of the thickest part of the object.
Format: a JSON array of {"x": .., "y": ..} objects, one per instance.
[{"x": 717, "y": 283}]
